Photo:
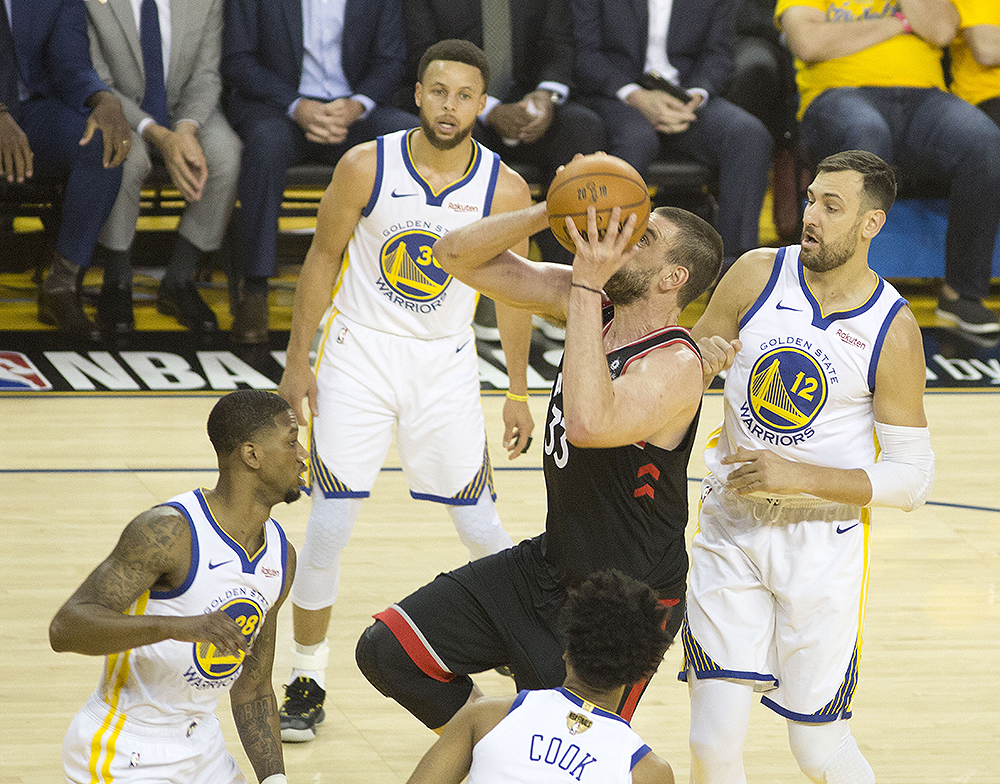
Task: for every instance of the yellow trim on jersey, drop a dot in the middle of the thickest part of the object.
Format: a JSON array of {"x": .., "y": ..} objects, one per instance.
[
  {"x": 824, "y": 314},
  {"x": 713, "y": 438},
  {"x": 229, "y": 536},
  {"x": 472, "y": 163}
]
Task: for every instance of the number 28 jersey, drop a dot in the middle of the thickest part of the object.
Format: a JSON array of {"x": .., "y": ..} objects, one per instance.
[{"x": 802, "y": 384}]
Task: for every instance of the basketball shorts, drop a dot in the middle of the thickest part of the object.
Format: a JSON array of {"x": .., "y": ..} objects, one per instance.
[
  {"x": 499, "y": 610},
  {"x": 102, "y": 745},
  {"x": 776, "y": 595},
  {"x": 371, "y": 381}
]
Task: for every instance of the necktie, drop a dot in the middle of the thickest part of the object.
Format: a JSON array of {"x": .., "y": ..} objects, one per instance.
[
  {"x": 154, "y": 102},
  {"x": 8, "y": 64},
  {"x": 496, "y": 45}
]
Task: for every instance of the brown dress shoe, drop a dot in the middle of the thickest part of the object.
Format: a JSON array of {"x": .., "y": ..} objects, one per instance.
[
  {"x": 250, "y": 323},
  {"x": 59, "y": 305}
]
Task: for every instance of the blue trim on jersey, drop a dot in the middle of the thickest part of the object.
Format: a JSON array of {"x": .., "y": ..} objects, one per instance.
[
  {"x": 437, "y": 199},
  {"x": 597, "y": 711},
  {"x": 440, "y": 499},
  {"x": 705, "y": 666},
  {"x": 517, "y": 701},
  {"x": 248, "y": 564},
  {"x": 195, "y": 552},
  {"x": 810, "y": 718},
  {"x": 877, "y": 348},
  {"x": 379, "y": 166},
  {"x": 821, "y": 321},
  {"x": 771, "y": 283},
  {"x": 491, "y": 188},
  {"x": 640, "y": 752},
  {"x": 284, "y": 555}
]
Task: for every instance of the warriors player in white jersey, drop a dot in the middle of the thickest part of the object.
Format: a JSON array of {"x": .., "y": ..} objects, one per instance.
[
  {"x": 614, "y": 637},
  {"x": 398, "y": 346},
  {"x": 829, "y": 369},
  {"x": 184, "y": 608}
]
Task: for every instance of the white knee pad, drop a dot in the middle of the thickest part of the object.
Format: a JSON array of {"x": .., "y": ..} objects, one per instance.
[
  {"x": 317, "y": 575},
  {"x": 828, "y": 754},
  {"x": 720, "y": 717},
  {"x": 479, "y": 527}
]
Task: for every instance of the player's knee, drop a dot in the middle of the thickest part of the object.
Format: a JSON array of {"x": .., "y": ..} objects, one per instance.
[
  {"x": 715, "y": 751},
  {"x": 828, "y": 754},
  {"x": 385, "y": 663}
]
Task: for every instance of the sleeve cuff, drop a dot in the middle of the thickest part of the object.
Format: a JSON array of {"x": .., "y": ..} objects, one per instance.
[
  {"x": 626, "y": 91},
  {"x": 491, "y": 104},
  {"x": 365, "y": 101},
  {"x": 144, "y": 123},
  {"x": 561, "y": 91},
  {"x": 699, "y": 91}
]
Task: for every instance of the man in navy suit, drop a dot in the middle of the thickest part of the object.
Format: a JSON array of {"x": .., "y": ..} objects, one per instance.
[
  {"x": 52, "y": 107},
  {"x": 688, "y": 44},
  {"x": 310, "y": 79}
]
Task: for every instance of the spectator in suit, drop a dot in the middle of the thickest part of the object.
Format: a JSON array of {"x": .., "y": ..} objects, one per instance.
[
  {"x": 58, "y": 119},
  {"x": 309, "y": 81},
  {"x": 870, "y": 78},
  {"x": 528, "y": 116},
  {"x": 162, "y": 60},
  {"x": 687, "y": 44},
  {"x": 975, "y": 56}
]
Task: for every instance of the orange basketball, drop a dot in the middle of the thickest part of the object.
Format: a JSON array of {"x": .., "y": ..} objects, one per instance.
[{"x": 603, "y": 181}]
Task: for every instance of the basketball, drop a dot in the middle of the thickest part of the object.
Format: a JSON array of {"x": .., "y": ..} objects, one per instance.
[{"x": 600, "y": 180}]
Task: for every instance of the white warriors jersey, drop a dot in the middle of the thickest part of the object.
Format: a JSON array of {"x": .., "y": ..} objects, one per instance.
[
  {"x": 802, "y": 384},
  {"x": 554, "y": 736},
  {"x": 172, "y": 681},
  {"x": 391, "y": 281}
]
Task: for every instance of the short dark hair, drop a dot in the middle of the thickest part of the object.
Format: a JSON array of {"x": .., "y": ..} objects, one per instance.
[
  {"x": 456, "y": 50},
  {"x": 613, "y": 626},
  {"x": 878, "y": 179},
  {"x": 240, "y": 415},
  {"x": 698, "y": 248}
]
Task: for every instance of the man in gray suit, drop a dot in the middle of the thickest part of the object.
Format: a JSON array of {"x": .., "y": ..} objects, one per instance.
[{"x": 161, "y": 57}]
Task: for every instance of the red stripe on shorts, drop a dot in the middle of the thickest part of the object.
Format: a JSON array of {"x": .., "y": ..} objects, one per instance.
[{"x": 413, "y": 645}]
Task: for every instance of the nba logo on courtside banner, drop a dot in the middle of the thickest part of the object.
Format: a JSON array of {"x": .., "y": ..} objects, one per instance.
[{"x": 18, "y": 372}]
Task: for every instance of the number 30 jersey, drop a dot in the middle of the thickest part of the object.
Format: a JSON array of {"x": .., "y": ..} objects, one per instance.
[
  {"x": 173, "y": 681},
  {"x": 802, "y": 384},
  {"x": 391, "y": 281}
]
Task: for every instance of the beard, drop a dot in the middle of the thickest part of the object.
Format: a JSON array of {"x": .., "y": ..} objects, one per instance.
[
  {"x": 628, "y": 286},
  {"x": 443, "y": 144},
  {"x": 292, "y": 494},
  {"x": 824, "y": 258}
]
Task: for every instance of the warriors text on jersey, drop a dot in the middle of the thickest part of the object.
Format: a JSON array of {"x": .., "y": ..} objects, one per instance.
[
  {"x": 804, "y": 379},
  {"x": 391, "y": 281},
  {"x": 624, "y": 507},
  {"x": 555, "y": 736},
  {"x": 172, "y": 681}
]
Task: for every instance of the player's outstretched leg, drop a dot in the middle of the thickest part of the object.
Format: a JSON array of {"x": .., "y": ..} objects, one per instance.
[
  {"x": 828, "y": 754},
  {"x": 317, "y": 581}
]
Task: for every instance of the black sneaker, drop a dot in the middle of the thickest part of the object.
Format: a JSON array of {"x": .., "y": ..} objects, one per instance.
[
  {"x": 968, "y": 314},
  {"x": 301, "y": 711}
]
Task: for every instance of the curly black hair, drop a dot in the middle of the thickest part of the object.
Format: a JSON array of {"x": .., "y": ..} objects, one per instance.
[
  {"x": 613, "y": 626},
  {"x": 238, "y": 416}
]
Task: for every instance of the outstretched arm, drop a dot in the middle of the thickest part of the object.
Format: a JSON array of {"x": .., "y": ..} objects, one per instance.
[
  {"x": 154, "y": 551},
  {"x": 255, "y": 709}
]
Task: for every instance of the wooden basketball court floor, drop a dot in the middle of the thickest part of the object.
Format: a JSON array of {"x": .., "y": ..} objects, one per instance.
[{"x": 74, "y": 469}]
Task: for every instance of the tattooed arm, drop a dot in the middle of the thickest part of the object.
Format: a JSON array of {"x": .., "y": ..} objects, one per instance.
[
  {"x": 255, "y": 709},
  {"x": 154, "y": 551}
]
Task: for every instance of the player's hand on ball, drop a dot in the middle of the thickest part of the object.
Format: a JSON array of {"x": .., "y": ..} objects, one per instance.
[{"x": 598, "y": 258}]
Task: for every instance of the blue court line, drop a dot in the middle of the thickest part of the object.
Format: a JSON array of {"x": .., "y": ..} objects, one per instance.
[{"x": 946, "y": 504}]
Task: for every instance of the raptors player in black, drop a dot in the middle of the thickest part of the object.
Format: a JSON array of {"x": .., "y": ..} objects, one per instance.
[{"x": 618, "y": 434}]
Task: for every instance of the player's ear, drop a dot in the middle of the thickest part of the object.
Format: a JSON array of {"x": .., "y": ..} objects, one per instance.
[
  {"x": 418, "y": 94},
  {"x": 873, "y": 222},
  {"x": 674, "y": 277},
  {"x": 250, "y": 455}
]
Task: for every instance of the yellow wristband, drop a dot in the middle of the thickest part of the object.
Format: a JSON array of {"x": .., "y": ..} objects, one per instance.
[{"x": 518, "y": 398}]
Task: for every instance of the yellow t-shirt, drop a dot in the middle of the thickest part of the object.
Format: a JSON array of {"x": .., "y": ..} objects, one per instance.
[
  {"x": 902, "y": 61},
  {"x": 970, "y": 80}
]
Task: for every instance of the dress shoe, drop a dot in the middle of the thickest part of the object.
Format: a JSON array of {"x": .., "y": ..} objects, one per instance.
[
  {"x": 114, "y": 311},
  {"x": 184, "y": 303},
  {"x": 59, "y": 305},
  {"x": 250, "y": 322}
]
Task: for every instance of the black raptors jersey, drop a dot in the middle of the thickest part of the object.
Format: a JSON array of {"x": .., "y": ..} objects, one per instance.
[{"x": 624, "y": 507}]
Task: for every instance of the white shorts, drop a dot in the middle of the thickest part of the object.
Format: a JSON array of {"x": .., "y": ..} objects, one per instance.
[
  {"x": 102, "y": 745},
  {"x": 776, "y": 595},
  {"x": 429, "y": 389}
]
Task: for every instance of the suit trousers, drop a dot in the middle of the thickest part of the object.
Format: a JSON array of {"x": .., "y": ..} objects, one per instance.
[
  {"x": 54, "y": 131},
  {"x": 203, "y": 223},
  {"x": 271, "y": 143},
  {"x": 726, "y": 137}
]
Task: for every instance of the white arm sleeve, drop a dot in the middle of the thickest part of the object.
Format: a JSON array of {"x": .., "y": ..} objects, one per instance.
[{"x": 903, "y": 476}]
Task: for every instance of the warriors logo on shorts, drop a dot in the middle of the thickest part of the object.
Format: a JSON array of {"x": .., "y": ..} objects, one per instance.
[
  {"x": 409, "y": 266},
  {"x": 209, "y": 660},
  {"x": 787, "y": 389}
]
